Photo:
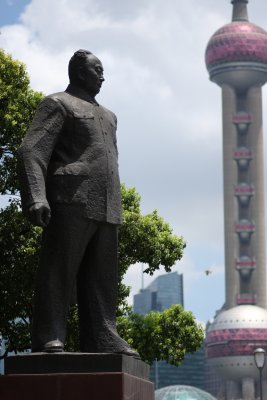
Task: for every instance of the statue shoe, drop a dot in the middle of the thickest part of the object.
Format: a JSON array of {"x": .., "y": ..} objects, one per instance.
[
  {"x": 54, "y": 346},
  {"x": 129, "y": 352}
]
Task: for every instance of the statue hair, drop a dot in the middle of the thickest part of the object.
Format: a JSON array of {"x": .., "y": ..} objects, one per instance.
[{"x": 77, "y": 60}]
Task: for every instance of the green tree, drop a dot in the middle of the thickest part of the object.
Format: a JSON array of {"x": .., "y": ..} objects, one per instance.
[
  {"x": 17, "y": 106},
  {"x": 142, "y": 238},
  {"x": 166, "y": 335},
  {"x": 19, "y": 246}
]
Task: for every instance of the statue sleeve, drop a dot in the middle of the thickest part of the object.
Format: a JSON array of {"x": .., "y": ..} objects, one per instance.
[{"x": 35, "y": 151}]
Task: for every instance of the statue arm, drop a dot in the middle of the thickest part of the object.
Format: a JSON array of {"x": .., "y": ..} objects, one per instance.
[{"x": 33, "y": 159}]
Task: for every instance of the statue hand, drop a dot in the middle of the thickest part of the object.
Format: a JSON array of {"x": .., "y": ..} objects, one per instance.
[{"x": 40, "y": 214}]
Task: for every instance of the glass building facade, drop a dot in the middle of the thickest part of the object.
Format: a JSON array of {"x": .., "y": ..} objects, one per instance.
[
  {"x": 191, "y": 372},
  {"x": 164, "y": 291}
]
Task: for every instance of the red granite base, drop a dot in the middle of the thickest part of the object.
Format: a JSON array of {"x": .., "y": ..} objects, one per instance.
[{"x": 86, "y": 386}]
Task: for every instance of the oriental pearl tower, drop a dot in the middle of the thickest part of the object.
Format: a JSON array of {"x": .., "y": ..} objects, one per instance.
[{"x": 236, "y": 59}]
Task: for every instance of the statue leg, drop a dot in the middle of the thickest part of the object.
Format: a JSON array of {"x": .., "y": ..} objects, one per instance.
[
  {"x": 97, "y": 284},
  {"x": 64, "y": 244}
]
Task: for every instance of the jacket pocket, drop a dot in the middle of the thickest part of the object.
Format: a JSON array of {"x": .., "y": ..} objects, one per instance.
[{"x": 83, "y": 115}]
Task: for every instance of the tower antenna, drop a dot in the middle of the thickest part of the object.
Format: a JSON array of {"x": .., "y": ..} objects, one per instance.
[{"x": 240, "y": 12}]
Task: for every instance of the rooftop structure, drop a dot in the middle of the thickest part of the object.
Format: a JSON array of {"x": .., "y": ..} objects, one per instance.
[{"x": 182, "y": 392}]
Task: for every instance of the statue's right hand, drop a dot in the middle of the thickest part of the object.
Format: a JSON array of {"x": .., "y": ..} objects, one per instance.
[{"x": 40, "y": 214}]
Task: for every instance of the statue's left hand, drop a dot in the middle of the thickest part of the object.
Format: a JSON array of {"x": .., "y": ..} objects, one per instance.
[{"x": 40, "y": 214}]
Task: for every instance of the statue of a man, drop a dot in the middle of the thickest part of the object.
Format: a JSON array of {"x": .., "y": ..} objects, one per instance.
[{"x": 68, "y": 168}]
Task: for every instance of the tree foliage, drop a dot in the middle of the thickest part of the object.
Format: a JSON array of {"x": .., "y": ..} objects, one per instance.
[
  {"x": 19, "y": 246},
  {"x": 145, "y": 239},
  {"x": 166, "y": 335},
  {"x": 17, "y": 106}
]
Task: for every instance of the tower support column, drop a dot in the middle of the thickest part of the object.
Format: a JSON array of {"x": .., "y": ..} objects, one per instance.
[
  {"x": 255, "y": 137},
  {"x": 229, "y": 179},
  {"x": 248, "y": 389},
  {"x": 232, "y": 390},
  {"x": 264, "y": 389}
]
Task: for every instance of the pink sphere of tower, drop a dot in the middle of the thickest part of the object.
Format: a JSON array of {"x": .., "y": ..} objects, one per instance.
[
  {"x": 238, "y": 46},
  {"x": 237, "y": 41}
]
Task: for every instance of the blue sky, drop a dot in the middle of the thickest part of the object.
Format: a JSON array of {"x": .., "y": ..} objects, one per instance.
[
  {"x": 169, "y": 113},
  {"x": 11, "y": 10}
]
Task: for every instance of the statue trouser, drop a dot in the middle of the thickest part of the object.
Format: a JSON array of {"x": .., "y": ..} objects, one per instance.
[{"x": 79, "y": 251}]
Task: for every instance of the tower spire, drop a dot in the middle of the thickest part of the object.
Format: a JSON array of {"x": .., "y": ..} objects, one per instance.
[{"x": 240, "y": 12}]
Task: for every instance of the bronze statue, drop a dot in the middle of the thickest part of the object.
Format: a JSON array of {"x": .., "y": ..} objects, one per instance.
[{"x": 68, "y": 168}]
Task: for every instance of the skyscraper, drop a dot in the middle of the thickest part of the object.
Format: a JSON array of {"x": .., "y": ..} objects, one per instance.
[
  {"x": 236, "y": 59},
  {"x": 164, "y": 291}
]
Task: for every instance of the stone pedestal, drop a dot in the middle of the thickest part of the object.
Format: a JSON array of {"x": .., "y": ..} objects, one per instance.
[{"x": 75, "y": 376}]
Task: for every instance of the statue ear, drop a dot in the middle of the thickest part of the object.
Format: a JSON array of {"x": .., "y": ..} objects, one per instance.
[{"x": 80, "y": 74}]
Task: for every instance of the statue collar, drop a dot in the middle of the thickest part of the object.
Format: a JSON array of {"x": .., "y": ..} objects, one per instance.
[{"x": 80, "y": 93}]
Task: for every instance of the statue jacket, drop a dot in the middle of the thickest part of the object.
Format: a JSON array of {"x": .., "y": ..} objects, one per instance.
[{"x": 69, "y": 156}]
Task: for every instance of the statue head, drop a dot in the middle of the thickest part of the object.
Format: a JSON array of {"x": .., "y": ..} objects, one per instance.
[{"x": 86, "y": 72}]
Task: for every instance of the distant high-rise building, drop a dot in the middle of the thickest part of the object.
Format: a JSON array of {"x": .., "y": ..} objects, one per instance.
[
  {"x": 236, "y": 59},
  {"x": 164, "y": 291},
  {"x": 161, "y": 294},
  {"x": 191, "y": 372}
]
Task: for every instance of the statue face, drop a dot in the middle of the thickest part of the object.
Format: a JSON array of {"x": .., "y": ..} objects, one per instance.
[{"x": 92, "y": 75}]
